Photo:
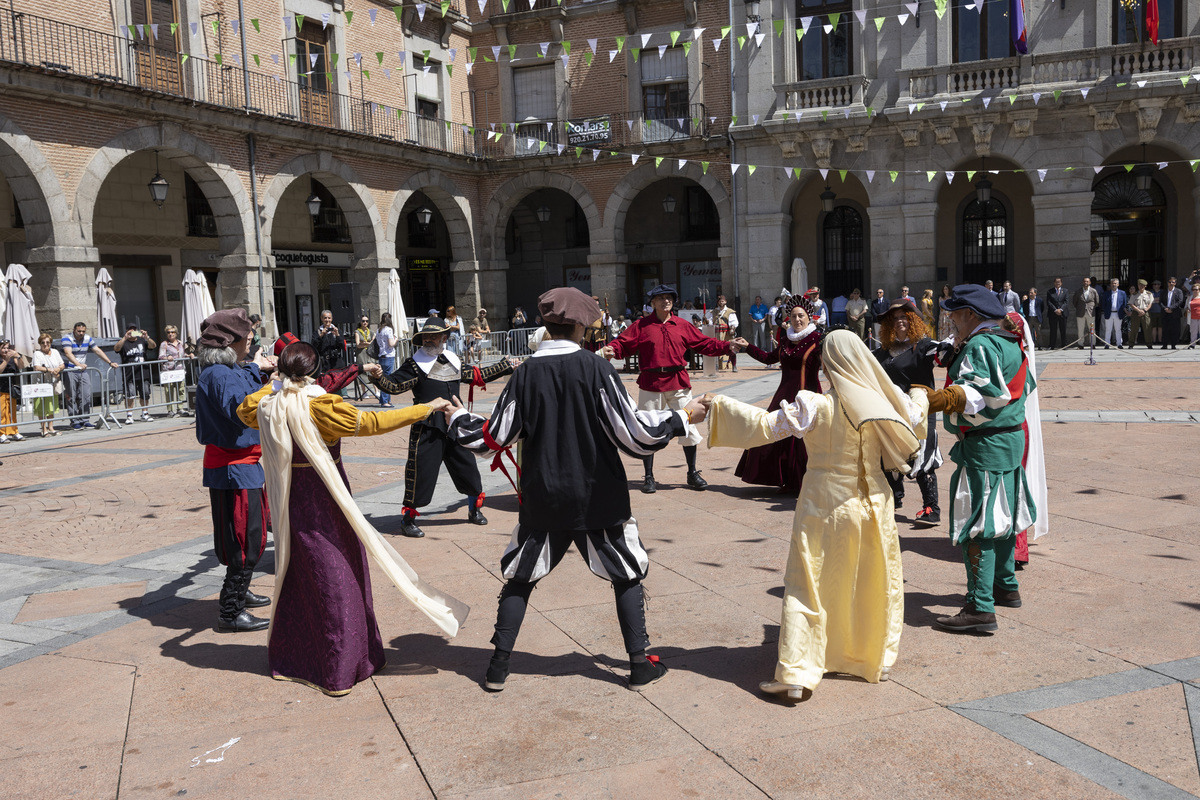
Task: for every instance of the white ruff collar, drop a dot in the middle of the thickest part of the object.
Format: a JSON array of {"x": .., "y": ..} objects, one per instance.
[
  {"x": 426, "y": 362},
  {"x": 795, "y": 336}
]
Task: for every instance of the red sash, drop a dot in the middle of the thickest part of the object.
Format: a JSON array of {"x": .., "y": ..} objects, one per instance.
[
  {"x": 476, "y": 380},
  {"x": 217, "y": 457},
  {"x": 498, "y": 461}
]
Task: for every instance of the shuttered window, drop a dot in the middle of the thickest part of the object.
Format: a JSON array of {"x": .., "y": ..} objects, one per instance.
[
  {"x": 428, "y": 84},
  {"x": 671, "y": 68},
  {"x": 533, "y": 88}
]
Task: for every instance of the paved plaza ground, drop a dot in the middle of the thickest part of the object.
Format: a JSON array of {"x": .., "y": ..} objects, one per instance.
[{"x": 113, "y": 682}]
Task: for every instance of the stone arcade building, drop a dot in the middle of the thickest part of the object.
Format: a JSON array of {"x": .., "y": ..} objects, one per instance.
[{"x": 365, "y": 160}]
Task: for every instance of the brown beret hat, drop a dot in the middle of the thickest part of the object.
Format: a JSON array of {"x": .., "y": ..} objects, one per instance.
[
  {"x": 568, "y": 306},
  {"x": 224, "y": 328}
]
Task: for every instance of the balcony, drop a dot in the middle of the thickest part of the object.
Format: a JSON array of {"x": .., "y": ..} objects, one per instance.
[
  {"x": 1064, "y": 69},
  {"x": 602, "y": 132},
  {"x": 822, "y": 93},
  {"x": 70, "y": 50}
]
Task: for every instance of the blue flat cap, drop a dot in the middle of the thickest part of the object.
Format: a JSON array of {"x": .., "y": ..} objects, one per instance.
[
  {"x": 977, "y": 298},
  {"x": 662, "y": 288}
]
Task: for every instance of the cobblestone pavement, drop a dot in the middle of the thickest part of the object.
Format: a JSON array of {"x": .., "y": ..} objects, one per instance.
[{"x": 114, "y": 683}]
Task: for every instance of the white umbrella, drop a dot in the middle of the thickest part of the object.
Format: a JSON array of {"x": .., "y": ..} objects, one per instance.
[
  {"x": 197, "y": 304},
  {"x": 106, "y": 307},
  {"x": 20, "y": 321},
  {"x": 395, "y": 305},
  {"x": 799, "y": 276}
]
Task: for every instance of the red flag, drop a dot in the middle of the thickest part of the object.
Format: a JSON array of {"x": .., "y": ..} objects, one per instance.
[{"x": 1152, "y": 19}]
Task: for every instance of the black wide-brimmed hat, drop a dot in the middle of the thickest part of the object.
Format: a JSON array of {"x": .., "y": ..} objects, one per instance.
[
  {"x": 977, "y": 298},
  {"x": 662, "y": 288},
  {"x": 900, "y": 303},
  {"x": 432, "y": 325}
]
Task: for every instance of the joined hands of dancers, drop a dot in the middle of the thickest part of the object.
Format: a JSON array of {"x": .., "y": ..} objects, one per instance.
[
  {"x": 735, "y": 345},
  {"x": 696, "y": 410}
]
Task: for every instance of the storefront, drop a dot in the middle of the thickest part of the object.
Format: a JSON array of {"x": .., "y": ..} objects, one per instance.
[{"x": 301, "y": 286}]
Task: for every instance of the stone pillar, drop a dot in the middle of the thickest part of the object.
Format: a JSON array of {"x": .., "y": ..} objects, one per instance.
[
  {"x": 767, "y": 267},
  {"x": 64, "y": 286},
  {"x": 1062, "y": 237},
  {"x": 481, "y": 284},
  {"x": 920, "y": 246},
  {"x": 609, "y": 279},
  {"x": 887, "y": 251},
  {"x": 371, "y": 275},
  {"x": 238, "y": 283}
]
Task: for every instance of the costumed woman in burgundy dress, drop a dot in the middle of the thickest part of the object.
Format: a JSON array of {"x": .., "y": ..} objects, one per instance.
[
  {"x": 323, "y": 632},
  {"x": 798, "y": 352}
]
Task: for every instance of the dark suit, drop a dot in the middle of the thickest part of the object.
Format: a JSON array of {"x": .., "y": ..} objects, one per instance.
[
  {"x": 879, "y": 307},
  {"x": 1057, "y": 300},
  {"x": 1172, "y": 318},
  {"x": 1034, "y": 311},
  {"x": 1104, "y": 314}
]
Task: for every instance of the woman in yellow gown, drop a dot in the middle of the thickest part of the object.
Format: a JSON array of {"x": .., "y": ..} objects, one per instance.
[{"x": 843, "y": 603}]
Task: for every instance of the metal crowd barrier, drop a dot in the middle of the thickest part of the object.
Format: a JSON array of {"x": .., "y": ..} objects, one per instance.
[
  {"x": 40, "y": 403},
  {"x": 151, "y": 383}
]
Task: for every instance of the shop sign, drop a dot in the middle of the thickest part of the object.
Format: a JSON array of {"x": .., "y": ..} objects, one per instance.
[
  {"x": 593, "y": 130},
  {"x": 424, "y": 264},
  {"x": 700, "y": 280},
  {"x": 310, "y": 258},
  {"x": 579, "y": 278}
]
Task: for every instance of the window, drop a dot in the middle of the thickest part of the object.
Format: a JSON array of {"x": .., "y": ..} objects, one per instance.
[
  {"x": 703, "y": 222},
  {"x": 536, "y": 105},
  {"x": 985, "y": 242},
  {"x": 577, "y": 234},
  {"x": 1128, "y": 230},
  {"x": 664, "y": 94},
  {"x": 312, "y": 74},
  {"x": 980, "y": 35},
  {"x": 821, "y": 55},
  {"x": 429, "y": 85},
  {"x": 426, "y": 109},
  {"x": 200, "y": 219},
  {"x": 330, "y": 223},
  {"x": 18, "y": 220},
  {"x": 843, "y": 237},
  {"x": 1129, "y": 20}
]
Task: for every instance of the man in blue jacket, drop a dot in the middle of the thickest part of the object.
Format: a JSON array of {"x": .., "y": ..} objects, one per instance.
[{"x": 1113, "y": 302}]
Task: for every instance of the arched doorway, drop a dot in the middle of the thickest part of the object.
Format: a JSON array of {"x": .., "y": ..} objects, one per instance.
[
  {"x": 985, "y": 225},
  {"x": 835, "y": 248},
  {"x": 423, "y": 247},
  {"x": 546, "y": 242},
  {"x": 1128, "y": 228},
  {"x": 673, "y": 235},
  {"x": 984, "y": 241},
  {"x": 844, "y": 251}
]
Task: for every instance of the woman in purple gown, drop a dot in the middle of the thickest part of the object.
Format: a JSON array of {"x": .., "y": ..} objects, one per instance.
[
  {"x": 798, "y": 352},
  {"x": 323, "y": 630}
]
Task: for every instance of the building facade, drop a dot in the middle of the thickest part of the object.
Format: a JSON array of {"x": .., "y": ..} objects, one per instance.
[
  {"x": 489, "y": 149},
  {"x": 1087, "y": 143}
]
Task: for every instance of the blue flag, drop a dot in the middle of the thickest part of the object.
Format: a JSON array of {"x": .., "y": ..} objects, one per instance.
[{"x": 1016, "y": 16}]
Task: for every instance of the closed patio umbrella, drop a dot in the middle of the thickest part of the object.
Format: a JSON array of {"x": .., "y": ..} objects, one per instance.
[
  {"x": 395, "y": 305},
  {"x": 106, "y": 307},
  {"x": 197, "y": 304},
  {"x": 20, "y": 319}
]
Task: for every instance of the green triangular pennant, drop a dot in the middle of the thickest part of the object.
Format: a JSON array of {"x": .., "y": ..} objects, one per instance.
[
  {"x": 1184, "y": 79},
  {"x": 445, "y": 7},
  {"x": 970, "y": 175},
  {"x": 939, "y": 8},
  {"x": 333, "y": 59},
  {"x": 257, "y": 63},
  {"x": 687, "y": 48},
  {"x": 1057, "y": 94},
  {"x": 796, "y": 172},
  {"x": 750, "y": 168},
  {"x": 920, "y": 106},
  {"x": 254, "y": 22},
  {"x": 132, "y": 31},
  {"x": 512, "y": 52},
  {"x": 541, "y": 146},
  {"x": 300, "y": 19},
  {"x": 1129, "y": 167},
  {"x": 620, "y": 43},
  {"x": 587, "y": 58},
  {"x": 825, "y": 115},
  {"x": 779, "y": 27},
  {"x": 217, "y": 58},
  {"x": 1012, "y": 99},
  {"x": 349, "y": 18},
  {"x": 367, "y": 74},
  {"x": 175, "y": 27},
  {"x": 472, "y": 53},
  {"x": 741, "y": 40},
  {"x": 674, "y": 37},
  {"x": 636, "y": 54},
  {"x": 1194, "y": 162},
  {"x": 291, "y": 58},
  {"x": 566, "y": 46},
  {"x": 929, "y": 174},
  {"x": 183, "y": 57},
  {"x": 878, "y": 24},
  {"x": 733, "y": 120},
  {"x": 725, "y": 31},
  {"x": 658, "y": 161},
  {"x": 579, "y": 152},
  {"x": 216, "y": 28},
  {"x": 799, "y": 34},
  {"x": 379, "y": 55},
  {"x": 842, "y": 174},
  {"x": 399, "y": 10},
  {"x": 450, "y": 70},
  {"x": 894, "y": 175},
  {"x": 834, "y": 19},
  {"x": 704, "y": 167}
]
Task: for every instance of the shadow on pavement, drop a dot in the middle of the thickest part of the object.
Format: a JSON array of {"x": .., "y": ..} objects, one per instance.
[{"x": 939, "y": 549}]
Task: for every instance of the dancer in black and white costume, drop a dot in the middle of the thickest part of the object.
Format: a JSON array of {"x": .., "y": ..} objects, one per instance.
[{"x": 574, "y": 418}]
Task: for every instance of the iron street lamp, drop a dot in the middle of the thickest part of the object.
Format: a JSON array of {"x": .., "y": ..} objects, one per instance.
[
  {"x": 752, "y": 7},
  {"x": 983, "y": 191},
  {"x": 669, "y": 204},
  {"x": 827, "y": 198},
  {"x": 543, "y": 214},
  {"x": 314, "y": 205},
  {"x": 424, "y": 216},
  {"x": 1142, "y": 174},
  {"x": 158, "y": 185}
]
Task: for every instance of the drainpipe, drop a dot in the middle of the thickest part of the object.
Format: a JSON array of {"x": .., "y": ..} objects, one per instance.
[
  {"x": 737, "y": 278},
  {"x": 258, "y": 242}
]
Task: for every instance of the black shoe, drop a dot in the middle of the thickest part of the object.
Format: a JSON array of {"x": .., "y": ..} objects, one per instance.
[
  {"x": 242, "y": 623},
  {"x": 1007, "y": 599},
  {"x": 927, "y": 517},
  {"x": 475, "y": 516},
  {"x": 646, "y": 673},
  {"x": 497, "y": 674},
  {"x": 968, "y": 620},
  {"x": 898, "y": 500},
  {"x": 408, "y": 527},
  {"x": 256, "y": 600},
  {"x": 696, "y": 482},
  {"x": 648, "y": 485}
]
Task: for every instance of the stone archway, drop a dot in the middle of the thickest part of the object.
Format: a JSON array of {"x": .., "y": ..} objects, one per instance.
[
  {"x": 353, "y": 198},
  {"x": 638, "y": 179},
  {"x": 506, "y": 198},
  {"x": 452, "y": 204},
  {"x": 220, "y": 183},
  {"x": 44, "y": 207}
]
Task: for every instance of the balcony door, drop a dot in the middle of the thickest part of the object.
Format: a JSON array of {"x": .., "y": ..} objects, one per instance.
[
  {"x": 820, "y": 55},
  {"x": 312, "y": 67},
  {"x": 157, "y": 57}
]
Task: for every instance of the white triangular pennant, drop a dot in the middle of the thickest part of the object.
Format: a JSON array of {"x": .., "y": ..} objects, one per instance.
[
  {"x": 870, "y": 175},
  {"x": 1036, "y": 96},
  {"x": 1084, "y": 92},
  {"x": 756, "y": 119},
  {"x": 912, "y": 107},
  {"x": 312, "y": 60},
  {"x": 758, "y": 39},
  {"x": 1162, "y": 164},
  {"x": 949, "y": 176},
  {"x": 716, "y": 45},
  {"x": 496, "y": 52},
  {"x": 400, "y": 54},
  {"x": 565, "y": 58},
  {"x": 696, "y": 34},
  {"x": 987, "y": 101},
  {"x": 646, "y": 39},
  {"x": 824, "y": 173},
  {"x": 470, "y": 66},
  {"x": 592, "y": 44},
  {"x": 862, "y": 17},
  {"x": 1097, "y": 170},
  {"x": 325, "y": 20},
  {"x": 561, "y": 147},
  {"x": 629, "y": 124},
  {"x": 912, "y": 8},
  {"x": 371, "y": 13},
  {"x": 682, "y": 161},
  {"x": 611, "y": 55},
  {"x": 828, "y": 28},
  {"x": 195, "y": 26},
  {"x": 1042, "y": 174},
  {"x": 595, "y": 154},
  {"x": 154, "y": 31},
  {"x": 634, "y": 157},
  {"x": 1141, "y": 84},
  {"x": 453, "y": 51},
  {"x": 425, "y": 68},
  {"x": 662, "y": 49},
  {"x": 275, "y": 58},
  {"x": 943, "y": 105},
  {"x": 846, "y": 112},
  {"x": 733, "y": 168},
  {"x": 543, "y": 46},
  {"x": 805, "y": 22},
  {"x": 902, "y": 18},
  {"x": 421, "y": 11}
]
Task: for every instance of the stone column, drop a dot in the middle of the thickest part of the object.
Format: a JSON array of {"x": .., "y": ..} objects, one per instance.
[
  {"x": 887, "y": 251},
  {"x": 371, "y": 275},
  {"x": 920, "y": 245},
  {"x": 481, "y": 284},
  {"x": 1062, "y": 237},
  {"x": 238, "y": 283},
  {"x": 609, "y": 279},
  {"x": 767, "y": 267},
  {"x": 64, "y": 286}
]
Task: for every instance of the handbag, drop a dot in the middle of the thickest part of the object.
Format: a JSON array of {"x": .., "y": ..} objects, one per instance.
[{"x": 373, "y": 349}]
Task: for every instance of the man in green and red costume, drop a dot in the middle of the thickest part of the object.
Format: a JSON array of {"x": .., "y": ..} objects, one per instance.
[{"x": 983, "y": 405}]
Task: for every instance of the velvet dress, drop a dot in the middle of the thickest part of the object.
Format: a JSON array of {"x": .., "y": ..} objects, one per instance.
[
  {"x": 783, "y": 463},
  {"x": 323, "y": 630}
]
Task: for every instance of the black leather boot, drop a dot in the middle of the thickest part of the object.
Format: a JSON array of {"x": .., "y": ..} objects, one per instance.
[
  {"x": 250, "y": 599},
  {"x": 409, "y": 528},
  {"x": 234, "y": 618},
  {"x": 475, "y": 516}
]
